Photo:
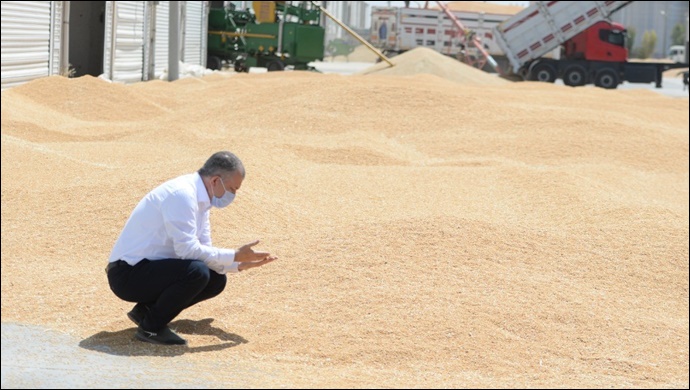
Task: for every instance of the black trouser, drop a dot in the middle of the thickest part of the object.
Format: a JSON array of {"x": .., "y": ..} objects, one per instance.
[{"x": 166, "y": 287}]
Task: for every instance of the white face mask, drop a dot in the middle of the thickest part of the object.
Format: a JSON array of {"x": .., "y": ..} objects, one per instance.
[{"x": 224, "y": 200}]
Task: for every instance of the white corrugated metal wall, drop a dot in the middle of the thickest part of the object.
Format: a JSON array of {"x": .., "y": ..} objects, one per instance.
[
  {"x": 30, "y": 33},
  {"x": 31, "y": 39},
  {"x": 161, "y": 37},
  {"x": 195, "y": 27},
  {"x": 56, "y": 29},
  {"x": 125, "y": 26}
]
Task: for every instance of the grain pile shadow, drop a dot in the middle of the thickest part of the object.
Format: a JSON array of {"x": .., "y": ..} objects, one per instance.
[{"x": 123, "y": 343}]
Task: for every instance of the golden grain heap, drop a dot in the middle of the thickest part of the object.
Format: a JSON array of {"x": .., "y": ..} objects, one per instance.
[{"x": 436, "y": 227}]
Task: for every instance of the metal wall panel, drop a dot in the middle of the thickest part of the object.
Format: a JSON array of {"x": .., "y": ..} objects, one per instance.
[
  {"x": 30, "y": 33},
  {"x": 149, "y": 31},
  {"x": 108, "y": 35},
  {"x": 161, "y": 37},
  {"x": 129, "y": 55},
  {"x": 195, "y": 33},
  {"x": 56, "y": 26},
  {"x": 125, "y": 41}
]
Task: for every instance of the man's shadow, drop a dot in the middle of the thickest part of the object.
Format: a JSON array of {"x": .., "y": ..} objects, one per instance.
[{"x": 123, "y": 343}]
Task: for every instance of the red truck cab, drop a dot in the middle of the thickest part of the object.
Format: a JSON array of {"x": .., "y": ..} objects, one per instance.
[{"x": 603, "y": 41}]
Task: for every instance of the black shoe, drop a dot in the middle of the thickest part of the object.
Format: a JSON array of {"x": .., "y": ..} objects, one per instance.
[
  {"x": 164, "y": 336},
  {"x": 138, "y": 313}
]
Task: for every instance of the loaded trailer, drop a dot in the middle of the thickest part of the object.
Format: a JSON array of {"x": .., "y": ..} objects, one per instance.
[{"x": 592, "y": 48}]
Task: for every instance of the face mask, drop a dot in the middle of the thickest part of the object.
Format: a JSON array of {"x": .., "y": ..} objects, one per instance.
[{"x": 224, "y": 200}]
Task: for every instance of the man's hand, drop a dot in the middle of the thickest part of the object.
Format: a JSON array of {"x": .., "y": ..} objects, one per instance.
[
  {"x": 252, "y": 264},
  {"x": 250, "y": 259}
]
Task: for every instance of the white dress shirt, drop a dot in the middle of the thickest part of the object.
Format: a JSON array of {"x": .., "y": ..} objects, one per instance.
[{"x": 172, "y": 222}]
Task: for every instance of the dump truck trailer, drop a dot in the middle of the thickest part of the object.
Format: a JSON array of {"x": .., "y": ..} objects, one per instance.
[{"x": 593, "y": 49}]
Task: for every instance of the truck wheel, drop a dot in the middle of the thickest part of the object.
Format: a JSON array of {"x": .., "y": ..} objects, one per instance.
[
  {"x": 240, "y": 67},
  {"x": 575, "y": 76},
  {"x": 214, "y": 63},
  {"x": 607, "y": 78},
  {"x": 544, "y": 73},
  {"x": 276, "y": 65}
]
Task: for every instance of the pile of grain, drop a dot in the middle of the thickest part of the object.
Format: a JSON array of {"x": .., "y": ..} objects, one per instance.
[
  {"x": 426, "y": 61},
  {"x": 428, "y": 235}
]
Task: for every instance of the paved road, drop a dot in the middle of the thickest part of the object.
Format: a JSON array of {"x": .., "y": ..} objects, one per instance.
[
  {"x": 34, "y": 357},
  {"x": 672, "y": 87}
]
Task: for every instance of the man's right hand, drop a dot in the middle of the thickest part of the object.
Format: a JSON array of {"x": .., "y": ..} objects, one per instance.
[{"x": 247, "y": 255}]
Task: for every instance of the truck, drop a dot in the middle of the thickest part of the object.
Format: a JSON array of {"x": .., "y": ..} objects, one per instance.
[
  {"x": 397, "y": 30},
  {"x": 592, "y": 48},
  {"x": 676, "y": 53},
  {"x": 271, "y": 34}
]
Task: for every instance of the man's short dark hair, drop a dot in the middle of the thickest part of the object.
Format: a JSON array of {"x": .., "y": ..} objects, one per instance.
[{"x": 222, "y": 163}]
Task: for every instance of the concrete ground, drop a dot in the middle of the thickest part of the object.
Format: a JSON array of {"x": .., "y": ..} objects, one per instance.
[
  {"x": 34, "y": 357},
  {"x": 38, "y": 358}
]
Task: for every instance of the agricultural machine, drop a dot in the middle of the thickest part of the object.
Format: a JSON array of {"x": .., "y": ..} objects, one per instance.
[{"x": 271, "y": 34}]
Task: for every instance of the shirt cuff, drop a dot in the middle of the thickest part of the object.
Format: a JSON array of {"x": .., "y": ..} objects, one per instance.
[
  {"x": 227, "y": 260},
  {"x": 233, "y": 268}
]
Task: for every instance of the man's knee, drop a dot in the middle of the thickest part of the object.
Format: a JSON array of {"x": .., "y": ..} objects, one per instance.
[
  {"x": 198, "y": 270},
  {"x": 217, "y": 283}
]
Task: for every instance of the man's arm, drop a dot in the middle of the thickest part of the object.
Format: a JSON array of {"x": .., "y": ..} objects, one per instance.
[{"x": 180, "y": 213}]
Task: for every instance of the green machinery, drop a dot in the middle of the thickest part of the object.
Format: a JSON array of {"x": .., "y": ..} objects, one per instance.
[
  {"x": 271, "y": 34},
  {"x": 339, "y": 47}
]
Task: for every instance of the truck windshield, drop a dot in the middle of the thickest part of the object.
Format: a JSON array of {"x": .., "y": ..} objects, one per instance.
[{"x": 614, "y": 37}]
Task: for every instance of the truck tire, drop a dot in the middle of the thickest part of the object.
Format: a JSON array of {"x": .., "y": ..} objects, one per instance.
[
  {"x": 544, "y": 73},
  {"x": 240, "y": 67},
  {"x": 575, "y": 76},
  {"x": 214, "y": 63},
  {"x": 607, "y": 78},
  {"x": 276, "y": 65}
]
